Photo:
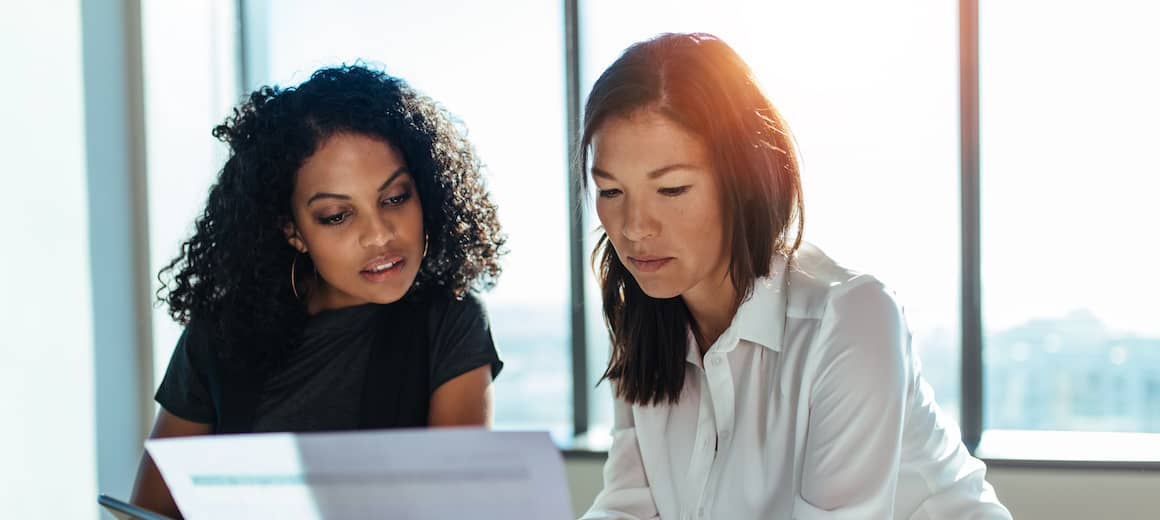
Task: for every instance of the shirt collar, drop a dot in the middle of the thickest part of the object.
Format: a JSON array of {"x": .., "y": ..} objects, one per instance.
[{"x": 760, "y": 318}]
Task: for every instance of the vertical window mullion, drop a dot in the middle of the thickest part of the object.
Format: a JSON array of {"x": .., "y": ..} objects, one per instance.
[
  {"x": 575, "y": 220},
  {"x": 971, "y": 289}
]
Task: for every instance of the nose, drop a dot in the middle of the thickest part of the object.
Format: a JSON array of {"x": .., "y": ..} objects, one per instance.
[
  {"x": 639, "y": 223},
  {"x": 376, "y": 232}
]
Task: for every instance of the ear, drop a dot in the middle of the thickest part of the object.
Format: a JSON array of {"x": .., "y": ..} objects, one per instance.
[{"x": 293, "y": 237}]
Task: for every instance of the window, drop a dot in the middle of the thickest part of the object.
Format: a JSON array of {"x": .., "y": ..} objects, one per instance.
[
  {"x": 190, "y": 85},
  {"x": 872, "y": 93},
  {"x": 504, "y": 80},
  {"x": 877, "y": 127},
  {"x": 1067, "y": 122}
]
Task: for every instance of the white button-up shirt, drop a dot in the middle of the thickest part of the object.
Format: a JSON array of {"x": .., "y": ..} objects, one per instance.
[{"x": 810, "y": 405}]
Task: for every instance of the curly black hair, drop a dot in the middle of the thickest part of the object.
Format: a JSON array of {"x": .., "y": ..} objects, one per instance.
[{"x": 233, "y": 273}]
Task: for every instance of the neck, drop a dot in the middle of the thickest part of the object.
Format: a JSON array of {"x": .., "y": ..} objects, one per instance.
[
  {"x": 320, "y": 297},
  {"x": 712, "y": 304},
  {"x": 314, "y": 303}
]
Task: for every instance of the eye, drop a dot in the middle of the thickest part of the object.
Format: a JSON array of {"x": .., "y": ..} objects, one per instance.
[
  {"x": 397, "y": 199},
  {"x": 333, "y": 220},
  {"x": 608, "y": 194},
  {"x": 674, "y": 192}
]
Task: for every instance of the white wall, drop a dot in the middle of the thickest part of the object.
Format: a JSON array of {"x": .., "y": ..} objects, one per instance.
[
  {"x": 71, "y": 264},
  {"x": 47, "y": 439},
  {"x": 1063, "y": 494},
  {"x": 114, "y": 152},
  {"x": 1030, "y": 494}
]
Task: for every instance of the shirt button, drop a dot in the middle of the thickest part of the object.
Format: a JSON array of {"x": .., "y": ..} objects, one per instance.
[
  {"x": 724, "y": 434},
  {"x": 717, "y": 360}
]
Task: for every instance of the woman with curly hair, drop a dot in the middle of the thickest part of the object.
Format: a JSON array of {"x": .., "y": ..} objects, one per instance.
[{"x": 328, "y": 283}]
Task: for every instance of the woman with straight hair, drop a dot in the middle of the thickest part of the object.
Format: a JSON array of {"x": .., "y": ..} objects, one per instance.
[{"x": 754, "y": 376}]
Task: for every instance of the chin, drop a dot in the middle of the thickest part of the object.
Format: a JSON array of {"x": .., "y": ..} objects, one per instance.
[
  {"x": 390, "y": 293},
  {"x": 384, "y": 295},
  {"x": 384, "y": 299},
  {"x": 660, "y": 291},
  {"x": 393, "y": 294}
]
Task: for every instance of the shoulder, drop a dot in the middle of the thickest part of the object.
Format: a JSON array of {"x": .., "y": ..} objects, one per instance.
[
  {"x": 449, "y": 318},
  {"x": 196, "y": 350},
  {"x": 196, "y": 338},
  {"x": 470, "y": 304},
  {"x": 856, "y": 320},
  {"x": 441, "y": 306},
  {"x": 820, "y": 287}
]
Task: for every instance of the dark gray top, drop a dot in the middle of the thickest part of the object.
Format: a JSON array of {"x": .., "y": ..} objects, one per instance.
[{"x": 320, "y": 385}]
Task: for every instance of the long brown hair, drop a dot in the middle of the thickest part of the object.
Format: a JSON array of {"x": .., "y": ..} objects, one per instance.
[{"x": 700, "y": 83}]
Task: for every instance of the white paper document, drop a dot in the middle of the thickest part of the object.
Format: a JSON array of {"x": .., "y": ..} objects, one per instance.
[{"x": 397, "y": 474}]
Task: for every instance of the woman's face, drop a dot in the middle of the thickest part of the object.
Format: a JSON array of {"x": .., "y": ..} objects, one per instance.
[
  {"x": 357, "y": 214},
  {"x": 658, "y": 200}
]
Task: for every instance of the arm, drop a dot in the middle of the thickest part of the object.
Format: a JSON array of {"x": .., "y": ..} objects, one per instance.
[
  {"x": 857, "y": 402},
  {"x": 465, "y": 400},
  {"x": 626, "y": 495},
  {"x": 149, "y": 490},
  {"x": 186, "y": 410},
  {"x": 464, "y": 362}
]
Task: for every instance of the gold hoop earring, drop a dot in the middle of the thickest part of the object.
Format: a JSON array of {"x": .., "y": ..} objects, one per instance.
[{"x": 293, "y": 284}]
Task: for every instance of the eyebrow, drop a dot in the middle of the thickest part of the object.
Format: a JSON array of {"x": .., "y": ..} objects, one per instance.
[
  {"x": 657, "y": 173},
  {"x": 328, "y": 195}
]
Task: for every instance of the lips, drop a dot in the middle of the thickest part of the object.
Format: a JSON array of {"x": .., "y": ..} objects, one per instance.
[
  {"x": 649, "y": 263},
  {"x": 382, "y": 268}
]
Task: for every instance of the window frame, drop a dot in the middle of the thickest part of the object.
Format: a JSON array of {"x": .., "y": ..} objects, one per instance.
[{"x": 997, "y": 447}]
